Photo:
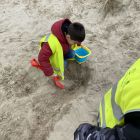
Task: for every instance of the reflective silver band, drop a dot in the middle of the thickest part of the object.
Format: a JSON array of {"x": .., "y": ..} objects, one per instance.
[
  {"x": 47, "y": 37},
  {"x": 116, "y": 109},
  {"x": 103, "y": 113}
]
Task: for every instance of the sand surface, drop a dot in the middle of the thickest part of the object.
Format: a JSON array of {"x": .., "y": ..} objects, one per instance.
[{"x": 31, "y": 107}]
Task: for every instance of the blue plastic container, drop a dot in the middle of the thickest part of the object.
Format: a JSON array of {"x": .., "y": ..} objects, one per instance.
[{"x": 81, "y": 54}]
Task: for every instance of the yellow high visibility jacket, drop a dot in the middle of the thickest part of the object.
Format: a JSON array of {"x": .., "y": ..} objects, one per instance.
[
  {"x": 57, "y": 59},
  {"x": 123, "y": 98}
]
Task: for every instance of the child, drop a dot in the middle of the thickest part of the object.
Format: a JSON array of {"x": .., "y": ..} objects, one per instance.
[{"x": 56, "y": 46}]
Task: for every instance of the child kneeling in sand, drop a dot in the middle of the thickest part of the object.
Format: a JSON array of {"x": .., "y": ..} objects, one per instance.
[{"x": 56, "y": 47}]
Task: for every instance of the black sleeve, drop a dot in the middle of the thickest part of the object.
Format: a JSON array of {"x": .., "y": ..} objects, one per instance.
[
  {"x": 129, "y": 131},
  {"x": 133, "y": 118},
  {"x": 87, "y": 131},
  {"x": 132, "y": 126},
  {"x": 115, "y": 133}
]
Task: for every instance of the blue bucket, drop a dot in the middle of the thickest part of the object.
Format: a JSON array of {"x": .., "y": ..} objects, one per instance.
[{"x": 81, "y": 54}]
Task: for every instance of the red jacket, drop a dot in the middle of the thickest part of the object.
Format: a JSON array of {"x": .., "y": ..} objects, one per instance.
[{"x": 46, "y": 52}]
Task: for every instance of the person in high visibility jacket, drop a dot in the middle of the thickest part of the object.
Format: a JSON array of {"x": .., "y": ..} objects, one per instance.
[
  {"x": 119, "y": 115},
  {"x": 56, "y": 46}
]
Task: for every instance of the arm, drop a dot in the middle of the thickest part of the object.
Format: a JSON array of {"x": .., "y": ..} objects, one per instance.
[
  {"x": 43, "y": 59},
  {"x": 130, "y": 131},
  {"x": 91, "y": 132}
]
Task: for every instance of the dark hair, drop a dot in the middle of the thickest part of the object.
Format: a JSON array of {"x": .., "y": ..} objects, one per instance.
[{"x": 76, "y": 31}]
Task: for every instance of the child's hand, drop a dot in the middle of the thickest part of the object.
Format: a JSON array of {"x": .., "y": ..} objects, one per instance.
[{"x": 56, "y": 80}]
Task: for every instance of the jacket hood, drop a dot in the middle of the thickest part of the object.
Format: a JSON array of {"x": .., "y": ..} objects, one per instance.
[{"x": 57, "y": 31}]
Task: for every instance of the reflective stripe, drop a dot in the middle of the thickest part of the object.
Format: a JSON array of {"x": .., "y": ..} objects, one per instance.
[
  {"x": 88, "y": 136},
  {"x": 77, "y": 137},
  {"x": 96, "y": 135},
  {"x": 47, "y": 37},
  {"x": 103, "y": 113},
  {"x": 62, "y": 74},
  {"x": 116, "y": 109},
  {"x": 57, "y": 69}
]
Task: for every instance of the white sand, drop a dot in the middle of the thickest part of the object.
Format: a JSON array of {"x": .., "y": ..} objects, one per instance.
[{"x": 31, "y": 108}]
